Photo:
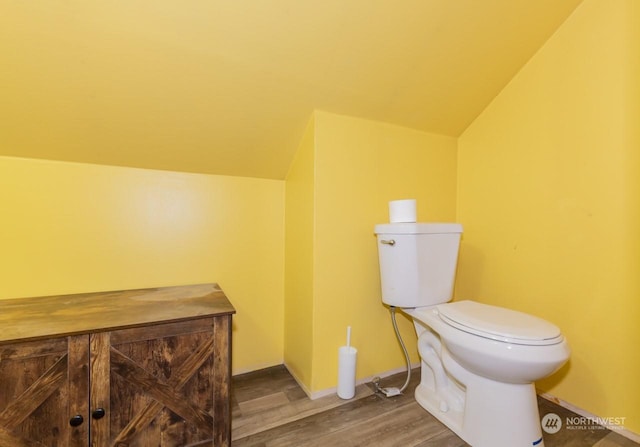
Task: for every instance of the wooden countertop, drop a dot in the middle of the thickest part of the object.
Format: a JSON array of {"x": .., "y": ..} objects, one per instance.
[{"x": 44, "y": 317}]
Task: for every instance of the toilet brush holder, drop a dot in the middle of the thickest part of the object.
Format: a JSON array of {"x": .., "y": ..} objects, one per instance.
[{"x": 347, "y": 356}]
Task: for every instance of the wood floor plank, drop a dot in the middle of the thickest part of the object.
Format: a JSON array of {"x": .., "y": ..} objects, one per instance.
[
  {"x": 263, "y": 382},
  {"x": 260, "y": 404},
  {"x": 444, "y": 439},
  {"x": 246, "y": 422},
  {"x": 405, "y": 426},
  {"x": 271, "y": 410},
  {"x": 306, "y": 430}
]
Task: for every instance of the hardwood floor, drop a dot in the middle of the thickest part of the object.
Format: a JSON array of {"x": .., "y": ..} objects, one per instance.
[{"x": 269, "y": 409}]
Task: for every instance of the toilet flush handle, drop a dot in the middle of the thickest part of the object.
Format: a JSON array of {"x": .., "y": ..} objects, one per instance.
[{"x": 389, "y": 242}]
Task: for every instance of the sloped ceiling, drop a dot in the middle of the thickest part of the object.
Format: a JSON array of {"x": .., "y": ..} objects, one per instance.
[{"x": 227, "y": 86}]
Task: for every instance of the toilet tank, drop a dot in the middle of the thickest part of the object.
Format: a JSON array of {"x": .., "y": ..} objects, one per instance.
[{"x": 417, "y": 262}]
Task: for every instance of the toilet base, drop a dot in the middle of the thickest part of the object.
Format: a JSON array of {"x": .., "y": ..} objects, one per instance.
[
  {"x": 433, "y": 403},
  {"x": 494, "y": 414}
]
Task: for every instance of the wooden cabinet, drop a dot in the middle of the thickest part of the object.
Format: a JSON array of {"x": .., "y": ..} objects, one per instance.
[{"x": 137, "y": 368}]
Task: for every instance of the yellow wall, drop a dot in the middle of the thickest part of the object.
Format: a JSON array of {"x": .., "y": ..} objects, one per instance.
[
  {"x": 548, "y": 193},
  {"x": 358, "y": 167},
  {"x": 547, "y": 190},
  {"x": 69, "y": 228},
  {"x": 299, "y": 238}
]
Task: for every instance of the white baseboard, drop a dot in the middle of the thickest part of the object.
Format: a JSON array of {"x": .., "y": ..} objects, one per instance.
[
  {"x": 329, "y": 391},
  {"x": 298, "y": 381},
  {"x": 635, "y": 437}
]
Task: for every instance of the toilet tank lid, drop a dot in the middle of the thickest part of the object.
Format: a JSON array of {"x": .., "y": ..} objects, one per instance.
[
  {"x": 500, "y": 324},
  {"x": 418, "y": 228}
]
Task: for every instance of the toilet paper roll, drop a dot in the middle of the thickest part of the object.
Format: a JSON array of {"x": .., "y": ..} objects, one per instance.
[
  {"x": 402, "y": 211},
  {"x": 347, "y": 372}
]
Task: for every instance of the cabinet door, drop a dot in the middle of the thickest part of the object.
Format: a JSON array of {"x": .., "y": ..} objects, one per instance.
[
  {"x": 156, "y": 385},
  {"x": 43, "y": 385}
]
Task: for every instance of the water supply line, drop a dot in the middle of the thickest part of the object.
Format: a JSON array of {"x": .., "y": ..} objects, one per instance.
[{"x": 394, "y": 391}]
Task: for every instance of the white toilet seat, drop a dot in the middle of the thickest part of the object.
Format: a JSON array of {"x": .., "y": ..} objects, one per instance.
[{"x": 499, "y": 324}]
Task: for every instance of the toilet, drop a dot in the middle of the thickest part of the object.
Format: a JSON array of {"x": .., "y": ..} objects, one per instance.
[{"x": 479, "y": 362}]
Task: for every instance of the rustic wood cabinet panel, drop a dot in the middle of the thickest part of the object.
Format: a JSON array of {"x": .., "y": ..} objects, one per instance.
[
  {"x": 158, "y": 383},
  {"x": 41, "y": 383}
]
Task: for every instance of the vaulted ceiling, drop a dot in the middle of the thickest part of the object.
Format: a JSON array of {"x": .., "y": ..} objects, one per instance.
[{"x": 227, "y": 86}]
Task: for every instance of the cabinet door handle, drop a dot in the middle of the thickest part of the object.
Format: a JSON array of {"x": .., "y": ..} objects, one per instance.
[
  {"x": 98, "y": 413},
  {"x": 76, "y": 420}
]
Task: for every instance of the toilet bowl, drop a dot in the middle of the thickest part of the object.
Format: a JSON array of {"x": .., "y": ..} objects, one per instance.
[
  {"x": 481, "y": 384},
  {"x": 479, "y": 362}
]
